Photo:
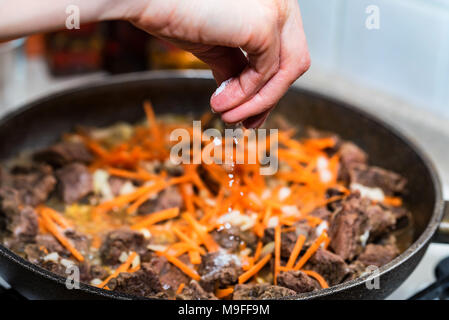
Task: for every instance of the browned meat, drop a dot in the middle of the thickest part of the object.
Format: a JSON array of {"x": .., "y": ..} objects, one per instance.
[
  {"x": 50, "y": 243},
  {"x": 118, "y": 241},
  {"x": 288, "y": 240},
  {"x": 75, "y": 182},
  {"x": 331, "y": 266},
  {"x": 169, "y": 275},
  {"x": 230, "y": 238},
  {"x": 219, "y": 270},
  {"x": 260, "y": 291},
  {"x": 356, "y": 269},
  {"x": 347, "y": 226},
  {"x": 380, "y": 221},
  {"x": 321, "y": 213},
  {"x": 193, "y": 291},
  {"x": 169, "y": 198},
  {"x": 350, "y": 154},
  {"x": 401, "y": 215},
  {"x": 64, "y": 153},
  {"x": 144, "y": 282},
  {"x": 378, "y": 255},
  {"x": 22, "y": 227},
  {"x": 297, "y": 281},
  {"x": 34, "y": 183},
  {"x": 79, "y": 240},
  {"x": 54, "y": 267},
  {"x": 97, "y": 272},
  {"x": 369, "y": 176},
  {"x": 116, "y": 184}
]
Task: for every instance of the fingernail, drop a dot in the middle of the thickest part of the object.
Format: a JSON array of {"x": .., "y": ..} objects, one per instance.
[{"x": 222, "y": 87}]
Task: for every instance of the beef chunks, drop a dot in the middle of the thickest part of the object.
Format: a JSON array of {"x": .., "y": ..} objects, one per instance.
[
  {"x": 350, "y": 155},
  {"x": 378, "y": 255},
  {"x": 74, "y": 182},
  {"x": 331, "y": 266},
  {"x": 219, "y": 270},
  {"x": 34, "y": 183},
  {"x": 169, "y": 275},
  {"x": 263, "y": 291},
  {"x": 231, "y": 237},
  {"x": 288, "y": 240},
  {"x": 166, "y": 199},
  {"x": 64, "y": 153},
  {"x": 144, "y": 282},
  {"x": 374, "y": 177},
  {"x": 381, "y": 221},
  {"x": 347, "y": 228},
  {"x": 193, "y": 291},
  {"x": 118, "y": 241},
  {"x": 297, "y": 281}
]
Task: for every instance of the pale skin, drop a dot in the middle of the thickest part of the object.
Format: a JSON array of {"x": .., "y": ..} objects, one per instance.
[{"x": 269, "y": 31}]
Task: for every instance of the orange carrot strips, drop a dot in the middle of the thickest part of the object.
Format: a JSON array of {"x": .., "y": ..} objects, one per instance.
[
  {"x": 181, "y": 266},
  {"x": 310, "y": 251},
  {"x": 200, "y": 230},
  {"x": 277, "y": 251},
  {"x": 180, "y": 288},
  {"x": 122, "y": 268},
  {"x": 195, "y": 257},
  {"x": 222, "y": 293},
  {"x": 156, "y": 217},
  {"x": 258, "y": 250},
  {"x": 53, "y": 229},
  {"x": 296, "y": 250},
  {"x": 318, "y": 277},
  {"x": 255, "y": 269},
  {"x": 55, "y": 216},
  {"x": 187, "y": 239}
]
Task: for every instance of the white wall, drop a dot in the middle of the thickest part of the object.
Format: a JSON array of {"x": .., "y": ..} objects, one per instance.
[{"x": 408, "y": 56}]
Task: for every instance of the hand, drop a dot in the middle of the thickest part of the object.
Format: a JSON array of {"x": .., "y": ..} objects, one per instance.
[{"x": 269, "y": 31}]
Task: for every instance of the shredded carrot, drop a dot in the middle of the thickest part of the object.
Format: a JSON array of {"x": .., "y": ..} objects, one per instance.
[
  {"x": 156, "y": 217},
  {"x": 56, "y": 217},
  {"x": 255, "y": 269},
  {"x": 122, "y": 268},
  {"x": 180, "y": 288},
  {"x": 296, "y": 250},
  {"x": 187, "y": 239},
  {"x": 310, "y": 251},
  {"x": 318, "y": 277},
  {"x": 222, "y": 293},
  {"x": 258, "y": 250},
  {"x": 182, "y": 266},
  {"x": 206, "y": 238},
  {"x": 393, "y": 201},
  {"x": 194, "y": 257},
  {"x": 277, "y": 251},
  {"x": 53, "y": 229}
]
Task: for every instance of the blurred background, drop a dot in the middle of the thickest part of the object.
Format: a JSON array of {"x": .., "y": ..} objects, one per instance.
[{"x": 398, "y": 70}]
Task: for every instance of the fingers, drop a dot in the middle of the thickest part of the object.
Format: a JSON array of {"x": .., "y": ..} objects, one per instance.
[
  {"x": 225, "y": 62},
  {"x": 256, "y": 121},
  {"x": 263, "y": 62}
]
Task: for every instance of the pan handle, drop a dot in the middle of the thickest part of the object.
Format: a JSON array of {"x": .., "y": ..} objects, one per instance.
[{"x": 442, "y": 234}]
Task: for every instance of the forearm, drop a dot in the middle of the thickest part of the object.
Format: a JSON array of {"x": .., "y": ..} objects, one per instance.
[{"x": 23, "y": 17}]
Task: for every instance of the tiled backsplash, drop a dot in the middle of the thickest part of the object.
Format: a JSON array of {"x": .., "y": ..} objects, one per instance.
[{"x": 408, "y": 56}]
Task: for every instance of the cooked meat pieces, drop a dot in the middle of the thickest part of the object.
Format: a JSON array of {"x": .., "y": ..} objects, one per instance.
[
  {"x": 169, "y": 275},
  {"x": 22, "y": 227},
  {"x": 144, "y": 282},
  {"x": 193, "y": 291},
  {"x": 166, "y": 199},
  {"x": 381, "y": 221},
  {"x": 288, "y": 240},
  {"x": 350, "y": 155},
  {"x": 263, "y": 291},
  {"x": 219, "y": 270},
  {"x": 79, "y": 241},
  {"x": 331, "y": 266},
  {"x": 374, "y": 177},
  {"x": 34, "y": 183},
  {"x": 378, "y": 255},
  {"x": 231, "y": 237},
  {"x": 348, "y": 227},
  {"x": 118, "y": 241},
  {"x": 64, "y": 153},
  {"x": 74, "y": 182},
  {"x": 297, "y": 281}
]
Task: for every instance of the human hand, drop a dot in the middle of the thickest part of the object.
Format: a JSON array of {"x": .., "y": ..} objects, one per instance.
[{"x": 269, "y": 31}]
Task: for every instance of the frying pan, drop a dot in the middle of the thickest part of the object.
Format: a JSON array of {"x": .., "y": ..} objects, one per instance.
[{"x": 119, "y": 98}]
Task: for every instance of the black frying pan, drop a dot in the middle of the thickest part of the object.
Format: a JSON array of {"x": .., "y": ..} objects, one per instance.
[{"x": 120, "y": 99}]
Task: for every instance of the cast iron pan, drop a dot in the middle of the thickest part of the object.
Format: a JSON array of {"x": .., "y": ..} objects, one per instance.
[{"x": 120, "y": 98}]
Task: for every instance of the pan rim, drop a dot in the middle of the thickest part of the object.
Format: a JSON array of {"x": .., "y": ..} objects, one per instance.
[{"x": 422, "y": 241}]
